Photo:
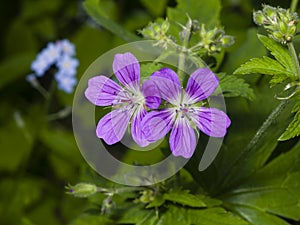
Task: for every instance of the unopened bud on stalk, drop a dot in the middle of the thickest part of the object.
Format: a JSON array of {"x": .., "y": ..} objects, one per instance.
[{"x": 82, "y": 190}]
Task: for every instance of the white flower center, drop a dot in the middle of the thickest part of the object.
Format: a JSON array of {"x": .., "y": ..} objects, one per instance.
[{"x": 129, "y": 99}]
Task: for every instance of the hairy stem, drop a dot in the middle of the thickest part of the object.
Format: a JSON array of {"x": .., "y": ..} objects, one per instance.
[
  {"x": 294, "y": 56},
  {"x": 263, "y": 129},
  {"x": 294, "y": 4},
  {"x": 186, "y": 37},
  {"x": 255, "y": 141}
]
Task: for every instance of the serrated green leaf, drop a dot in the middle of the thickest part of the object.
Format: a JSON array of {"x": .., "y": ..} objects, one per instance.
[
  {"x": 174, "y": 215},
  {"x": 278, "y": 79},
  {"x": 279, "y": 52},
  {"x": 183, "y": 197},
  {"x": 273, "y": 189},
  {"x": 211, "y": 216},
  {"x": 293, "y": 129},
  {"x": 157, "y": 201},
  {"x": 257, "y": 217},
  {"x": 134, "y": 214},
  {"x": 264, "y": 65},
  {"x": 233, "y": 87},
  {"x": 214, "y": 216},
  {"x": 93, "y": 9}
]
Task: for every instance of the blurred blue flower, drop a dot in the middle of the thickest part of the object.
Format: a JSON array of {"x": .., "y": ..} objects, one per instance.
[
  {"x": 40, "y": 65},
  {"x": 67, "y": 47},
  {"x": 67, "y": 65},
  {"x": 65, "y": 82},
  {"x": 60, "y": 54},
  {"x": 52, "y": 53}
]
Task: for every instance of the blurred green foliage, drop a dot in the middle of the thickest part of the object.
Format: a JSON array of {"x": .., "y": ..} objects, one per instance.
[{"x": 40, "y": 157}]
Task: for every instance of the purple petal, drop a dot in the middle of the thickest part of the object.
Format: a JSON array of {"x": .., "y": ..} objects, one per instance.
[
  {"x": 151, "y": 94},
  {"x": 168, "y": 84},
  {"x": 167, "y": 73},
  {"x": 111, "y": 128},
  {"x": 183, "y": 139},
  {"x": 211, "y": 121},
  {"x": 201, "y": 84},
  {"x": 102, "y": 91},
  {"x": 127, "y": 69},
  {"x": 136, "y": 127},
  {"x": 157, "y": 124}
]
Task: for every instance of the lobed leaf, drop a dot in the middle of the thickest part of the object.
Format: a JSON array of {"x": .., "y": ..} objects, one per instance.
[
  {"x": 264, "y": 65},
  {"x": 211, "y": 216},
  {"x": 273, "y": 189},
  {"x": 233, "y": 86},
  {"x": 280, "y": 53},
  {"x": 183, "y": 197},
  {"x": 293, "y": 129}
]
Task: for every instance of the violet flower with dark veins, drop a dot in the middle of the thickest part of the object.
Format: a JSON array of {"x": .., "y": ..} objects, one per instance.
[
  {"x": 185, "y": 116},
  {"x": 129, "y": 100}
]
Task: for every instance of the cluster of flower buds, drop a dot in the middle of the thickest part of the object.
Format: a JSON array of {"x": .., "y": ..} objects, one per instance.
[
  {"x": 61, "y": 55},
  {"x": 213, "y": 41},
  {"x": 158, "y": 31},
  {"x": 281, "y": 24}
]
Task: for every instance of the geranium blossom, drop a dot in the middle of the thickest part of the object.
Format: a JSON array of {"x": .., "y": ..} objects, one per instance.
[
  {"x": 185, "y": 115},
  {"x": 129, "y": 101}
]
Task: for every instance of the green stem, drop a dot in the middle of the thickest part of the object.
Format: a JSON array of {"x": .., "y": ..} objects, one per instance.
[
  {"x": 50, "y": 96},
  {"x": 255, "y": 141},
  {"x": 294, "y": 4},
  {"x": 181, "y": 60},
  {"x": 60, "y": 114},
  {"x": 294, "y": 56},
  {"x": 268, "y": 122}
]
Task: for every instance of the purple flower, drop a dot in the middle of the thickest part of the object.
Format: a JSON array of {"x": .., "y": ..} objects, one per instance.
[
  {"x": 185, "y": 115},
  {"x": 128, "y": 100}
]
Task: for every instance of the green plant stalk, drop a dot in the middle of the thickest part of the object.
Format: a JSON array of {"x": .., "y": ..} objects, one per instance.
[
  {"x": 183, "y": 50},
  {"x": 294, "y": 56},
  {"x": 255, "y": 140},
  {"x": 294, "y": 4}
]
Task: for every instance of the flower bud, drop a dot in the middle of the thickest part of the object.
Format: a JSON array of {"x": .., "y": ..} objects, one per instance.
[
  {"x": 259, "y": 18},
  {"x": 165, "y": 26},
  {"x": 107, "y": 205},
  {"x": 277, "y": 36},
  {"x": 270, "y": 12},
  {"x": 227, "y": 40},
  {"x": 147, "y": 196},
  {"x": 282, "y": 27},
  {"x": 82, "y": 190}
]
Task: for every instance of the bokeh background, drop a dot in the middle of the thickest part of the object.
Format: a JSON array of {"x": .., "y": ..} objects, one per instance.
[{"x": 38, "y": 157}]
